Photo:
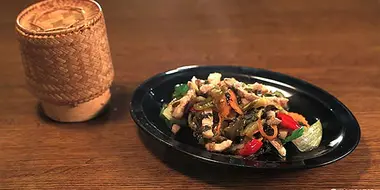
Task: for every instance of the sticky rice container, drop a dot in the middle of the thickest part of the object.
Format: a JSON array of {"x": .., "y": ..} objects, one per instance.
[{"x": 66, "y": 57}]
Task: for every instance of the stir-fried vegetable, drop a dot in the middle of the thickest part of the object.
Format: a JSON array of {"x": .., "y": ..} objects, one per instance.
[
  {"x": 229, "y": 116},
  {"x": 233, "y": 101},
  {"x": 251, "y": 129},
  {"x": 222, "y": 106},
  {"x": 234, "y": 128},
  {"x": 166, "y": 115},
  {"x": 287, "y": 121},
  {"x": 269, "y": 132},
  {"x": 298, "y": 118},
  {"x": 295, "y": 134},
  {"x": 278, "y": 94},
  {"x": 283, "y": 133},
  {"x": 180, "y": 90},
  {"x": 207, "y": 104},
  {"x": 262, "y": 102},
  {"x": 166, "y": 111},
  {"x": 310, "y": 139},
  {"x": 251, "y": 147}
]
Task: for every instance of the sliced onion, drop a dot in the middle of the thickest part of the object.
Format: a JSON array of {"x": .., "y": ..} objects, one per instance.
[{"x": 310, "y": 139}]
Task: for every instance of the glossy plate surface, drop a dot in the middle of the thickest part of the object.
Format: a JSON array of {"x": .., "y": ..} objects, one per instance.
[{"x": 341, "y": 132}]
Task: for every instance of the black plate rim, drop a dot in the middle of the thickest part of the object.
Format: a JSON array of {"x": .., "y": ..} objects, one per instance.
[{"x": 143, "y": 123}]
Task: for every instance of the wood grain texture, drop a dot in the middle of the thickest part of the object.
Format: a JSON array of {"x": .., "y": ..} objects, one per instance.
[{"x": 332, "y": 44}]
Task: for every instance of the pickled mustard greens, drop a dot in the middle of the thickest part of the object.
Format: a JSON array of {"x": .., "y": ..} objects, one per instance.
[{"x": 233, "y": 117}]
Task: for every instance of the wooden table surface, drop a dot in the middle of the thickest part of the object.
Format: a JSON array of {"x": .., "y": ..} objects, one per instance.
[{"x": 332, "y": 44}]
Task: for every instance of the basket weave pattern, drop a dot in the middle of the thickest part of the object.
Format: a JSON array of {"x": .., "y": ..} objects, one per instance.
[{"x": 68, "y": 68}]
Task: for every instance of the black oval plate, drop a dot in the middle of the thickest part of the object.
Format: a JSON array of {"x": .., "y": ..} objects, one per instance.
[{"x": 341, "y": 132}]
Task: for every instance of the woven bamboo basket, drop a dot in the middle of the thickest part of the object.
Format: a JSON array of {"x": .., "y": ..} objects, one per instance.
[{"x": 66, "y": 57}]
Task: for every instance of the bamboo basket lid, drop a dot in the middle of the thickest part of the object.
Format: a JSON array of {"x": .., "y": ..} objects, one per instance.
[{"x": 51, "y": 17}]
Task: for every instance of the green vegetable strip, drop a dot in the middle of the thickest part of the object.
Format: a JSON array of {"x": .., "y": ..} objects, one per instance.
[
  {"x": 169, "y": 121},
  {"x": 295, "y": 134},
  {"x": 208, "y": 103},
  {"x": 279, "y": 94},
  {"x": 180, "y": 90}
]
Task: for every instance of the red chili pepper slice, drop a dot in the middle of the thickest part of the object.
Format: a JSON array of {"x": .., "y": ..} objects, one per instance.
[
  {"x": 250, "y": 147},
  {"x": 287, "y": 121}
]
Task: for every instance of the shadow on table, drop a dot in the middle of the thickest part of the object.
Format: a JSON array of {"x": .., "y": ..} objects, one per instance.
[
  {"x": 117, "y": 109},
  {"x": 226, "y": 176}
]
